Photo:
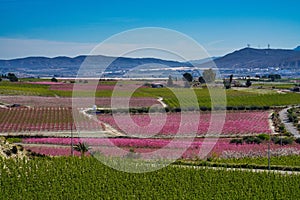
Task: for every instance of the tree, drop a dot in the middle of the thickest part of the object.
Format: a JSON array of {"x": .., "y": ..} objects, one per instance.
[
  {"x": 227, "y": 84},
  {"x": 81, "y": 147},
  {"x": 209, "y": 75},
  {"x": 201, "y": 80},
  {"x": 12, "y": 77},
  {"x": 248, "y": 83},
  {"x": 273, "y": 77},
  {"x": 230, "y": 78},
  {"x": 188, "y": 77},
  {"x": 53, "y": 79},
  {"x": 170, "y": 81}
]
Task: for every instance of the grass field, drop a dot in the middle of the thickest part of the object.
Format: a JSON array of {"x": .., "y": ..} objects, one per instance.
[
  {"x": 291, "y": 160},
  {"x": 87, "y": 178},
  {"x": 233, "y": 97}
]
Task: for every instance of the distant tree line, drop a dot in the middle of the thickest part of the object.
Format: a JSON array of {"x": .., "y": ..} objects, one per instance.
[
  {"x": 208, "y": 76},
  {"x": 10, "y": 76}
]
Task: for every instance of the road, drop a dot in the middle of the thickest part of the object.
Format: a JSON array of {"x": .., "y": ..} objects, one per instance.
[{"x": 283, "y": 115}]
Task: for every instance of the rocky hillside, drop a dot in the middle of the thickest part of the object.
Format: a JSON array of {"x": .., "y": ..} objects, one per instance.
[{"x": 8, "y": 150}]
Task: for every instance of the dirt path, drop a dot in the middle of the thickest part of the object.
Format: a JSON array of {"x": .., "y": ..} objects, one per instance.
[
  {"x": 160, "y": 100},
  {"x": 108, "y": 128},
  {"x": 283, "y": 115},
  {"x": 241, "y": 169}
]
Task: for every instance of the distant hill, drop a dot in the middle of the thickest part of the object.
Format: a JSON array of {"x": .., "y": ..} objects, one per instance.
[
  {"x": 258, "y": 58},
  {"x": 297, "y": 48},
  {"x": 66, "y": 66},
  {"x": 201, "y": 61},
  {"x": 247, "y": 61}
]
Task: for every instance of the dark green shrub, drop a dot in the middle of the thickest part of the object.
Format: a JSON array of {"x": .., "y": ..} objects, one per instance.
[
  {"x": 229, "y": 108},
  {"x": 297, "y": 140},
  {"x": 14, "y": 150},
  {"x": 253, "y": 107},
  {"x": 241, "y": 107},
  {"x": 264, "y": 137},
  {"x": 176, "y": 110},
  {"x": 287, "y": 140},
  {"x": 236, "y": 141},
  {"x": 251, "y": 140},
  {"x": 282, "y": 140},
  {"x": 203, "y": 108}
]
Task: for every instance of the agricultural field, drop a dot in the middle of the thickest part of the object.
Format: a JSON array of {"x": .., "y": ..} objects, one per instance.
[
  {"x": 103, "y": 102},
  {"x": 235, "y": 98},
  {"x": 38, "y": 116},
  {"x": 182, "y": 124},
  {"x": 36, "y": 120},
  {"x": 87, "y": 178},
  {"x": 222, "y": 150}
]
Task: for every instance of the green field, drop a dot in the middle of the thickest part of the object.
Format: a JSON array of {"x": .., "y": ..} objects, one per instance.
[
  {"x": 87, "y": 178},
  {"x": 291, "y": 161},
  {"x": 250, "y": 97}
]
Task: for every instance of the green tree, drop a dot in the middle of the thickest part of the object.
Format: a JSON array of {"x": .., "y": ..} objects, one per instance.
[
  {"x": 187, "y": 77},
  {"x": 170, "y": 81},
  {"x": 201, "y": 80},
  {"x": 12, "y": 77},
  {"x": 54, "y": 79},
  {"x": 81, "y": 147},
  {"x": 209, "y": 75},
  {"x": 248, "y": 83},
  {"x": 230, "y": 78},
  {"x": 227, "y": 84}
]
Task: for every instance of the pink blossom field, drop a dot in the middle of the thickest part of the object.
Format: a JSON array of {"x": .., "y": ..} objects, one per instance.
[
  {"x": 222, "y": 148},
  {"x": 236, "y": 123}
]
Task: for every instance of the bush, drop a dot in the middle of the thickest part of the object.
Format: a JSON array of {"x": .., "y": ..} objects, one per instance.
[
  {"x": 177, "y": 110},
  {"x": 203, "y": 108},
  {"x": 251, "y": 140},
  {"x": 54, "y": 79},
  {"x": 236, "y": 141},
  {"x": 14, "y": 140},
  {"x": 264, "y": 137},
  {"x": 241, "y": 107},
  {"x": 253, "y": 107},
  {"x": 297, "y": 140},
  {"x": 287, "y": 140},
  {"x": 14, "y": 150},
  {"x": 229, "y": 108},
  {"x": 282, "y": 140}
]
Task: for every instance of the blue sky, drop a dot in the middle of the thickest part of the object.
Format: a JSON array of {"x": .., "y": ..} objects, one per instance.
[{"x": 50, "y": 28}]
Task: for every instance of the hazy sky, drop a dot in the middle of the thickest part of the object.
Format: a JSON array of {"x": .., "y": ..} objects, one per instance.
[{"x": 50, "y": 28}]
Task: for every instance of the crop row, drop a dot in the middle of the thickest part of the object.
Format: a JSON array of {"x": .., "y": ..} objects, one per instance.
[
  {"x": 221, "y": 148},
  {"x": 42, "y": 119},
  {"x": 236, "y": 123},
  {"x": 37, "y": 101},
  {"x": 72, "y": 178}
]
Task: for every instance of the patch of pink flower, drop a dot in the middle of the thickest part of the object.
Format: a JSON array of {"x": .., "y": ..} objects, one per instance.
[
  {"x": 236, "y": 123},
  {"x": 222, "y": 148}
]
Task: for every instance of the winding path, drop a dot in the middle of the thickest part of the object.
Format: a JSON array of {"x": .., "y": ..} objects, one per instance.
[{"x": 283, "y": 115}]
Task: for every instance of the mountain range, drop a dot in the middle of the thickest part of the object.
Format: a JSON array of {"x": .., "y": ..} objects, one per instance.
[{"x": 250, "y": 60}]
